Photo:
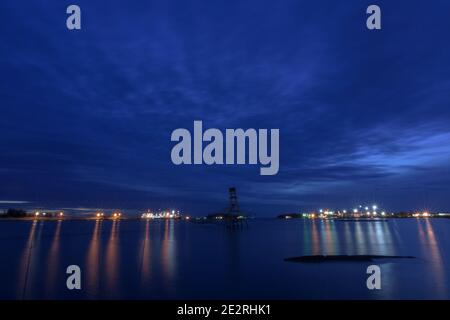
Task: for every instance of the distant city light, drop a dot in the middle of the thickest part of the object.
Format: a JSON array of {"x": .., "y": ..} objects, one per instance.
[
  {"x": 172, "y": 214},
  {"x": 116, "y": 214},
  {"x": 372, "y": 211}
]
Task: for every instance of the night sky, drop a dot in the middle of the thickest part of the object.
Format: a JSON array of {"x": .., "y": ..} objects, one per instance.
[{"x": 86, "y": 116}]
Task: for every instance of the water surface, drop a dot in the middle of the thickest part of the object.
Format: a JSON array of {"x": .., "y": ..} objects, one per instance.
[{"x": 181, "y": 260}]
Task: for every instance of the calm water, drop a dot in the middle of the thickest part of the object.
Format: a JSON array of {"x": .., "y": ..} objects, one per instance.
[{"x": 176, "y": 259}]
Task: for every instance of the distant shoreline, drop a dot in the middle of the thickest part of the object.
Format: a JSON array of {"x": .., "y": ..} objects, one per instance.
[{"x": 55, "y": 219}]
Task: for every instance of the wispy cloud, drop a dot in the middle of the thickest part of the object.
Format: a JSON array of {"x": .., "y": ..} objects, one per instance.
[
  {"x": 86, "y": 117},
  {"x": 13, "y": 202}
]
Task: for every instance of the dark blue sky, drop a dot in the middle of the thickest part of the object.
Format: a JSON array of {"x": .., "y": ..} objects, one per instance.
[{"x": 364, "y": 116}]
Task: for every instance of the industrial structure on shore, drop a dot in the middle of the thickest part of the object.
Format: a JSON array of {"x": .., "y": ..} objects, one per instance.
[{"x": 232, "y": 215}]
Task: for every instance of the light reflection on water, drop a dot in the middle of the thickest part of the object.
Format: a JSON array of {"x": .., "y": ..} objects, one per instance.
[
  {"x": 163, "y": 259},
  {"x": 53, "y": 262},
  {"x": 168, "y": 253},
  {"x": 25, "y": 263},
  {"x": 342, "y": 237},
  {"x": 431, "y": 247},
  {"x": 112, "y": 261},
  {"x": 145, "y": 261},
  {"x": 93, "y": 260},
  {"x": 315, "y": 238}
]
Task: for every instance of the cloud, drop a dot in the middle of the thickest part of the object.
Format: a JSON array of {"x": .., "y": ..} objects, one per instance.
[
  {"x": 87, "y": 116},
  {"x": 13, "y": 202}
]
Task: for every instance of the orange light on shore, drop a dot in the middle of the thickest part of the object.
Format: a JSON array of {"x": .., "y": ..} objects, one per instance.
[{"x": 116, "y": 214}]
